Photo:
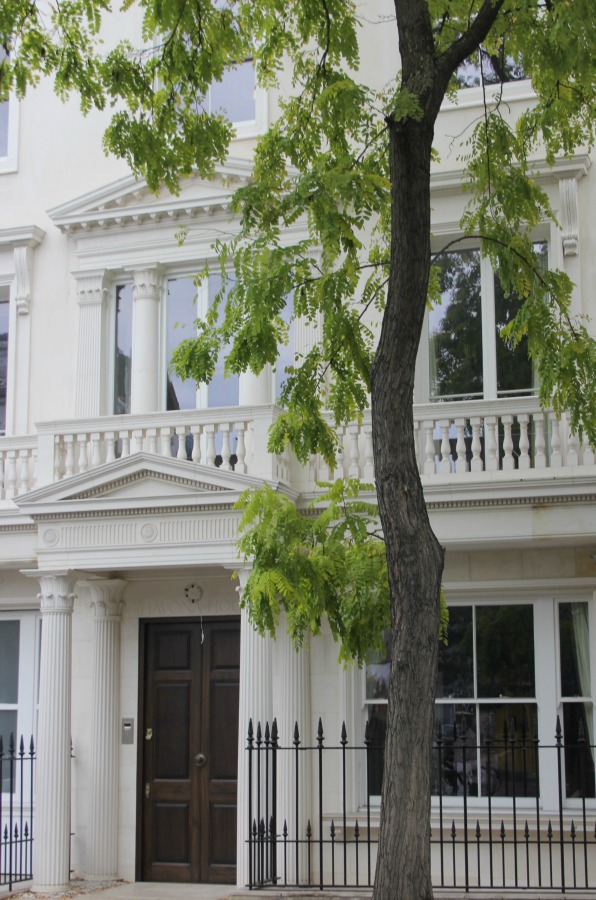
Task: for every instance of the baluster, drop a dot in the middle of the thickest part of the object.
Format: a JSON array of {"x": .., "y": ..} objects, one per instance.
[
  {"x": 508, "y": 460},
  {"x": 354, "y": 459},
  {"x": 33, "y": 472},
  {"x": 461, "y": 463},
  {"x": 368, "y": 470},
  {"x": 239, "y": 428},
  {"x": 110, "y": 437},
  {"x": 445, "y": 464},
  {"x": 165, "y": 441},
  {"x": 181, "y": 432},
  {"x": 152, "y": 440},
  {"x": 539, "y": 452},
  {"x": 524, "y": 441},
  {"x": 10, "y": 482},
  {"x": 137, "y": 440},
  {"x": 69, "y": 461},
  {"x": 95, "y": 449},
  {"x": 572, "y": 456},
  {"x": 225, "y": 446},
  {"x": 23, "y": 485},
  {"x": 58, "y": 455},
  {"x": 429, "y": 448},
  {"x": 490, "y": 437},
  {"x": 210, "y": 451},
  {"x": 2, "y": 466},
  {"x": 196, "y": 443},
  {"x": 556, "y": 458},
  {"x": 82, "y": 459},
  {"x": 476, "y": 463},
  {"x": 125, "y": 440},
  {"x": 587, "y": 452}
]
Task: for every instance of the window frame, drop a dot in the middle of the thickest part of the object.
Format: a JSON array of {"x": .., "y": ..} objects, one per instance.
[
  {"x": 8, "y": 161},
  {"x": 490, "y": 391},
  {"x": 548, "y": 697}
]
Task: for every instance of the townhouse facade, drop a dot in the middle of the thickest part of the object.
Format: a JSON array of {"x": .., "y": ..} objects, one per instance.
[{"x": 123, "y": 649}]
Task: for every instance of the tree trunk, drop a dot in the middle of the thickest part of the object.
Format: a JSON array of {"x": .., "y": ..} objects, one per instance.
[{"x": 414, "y": 556}]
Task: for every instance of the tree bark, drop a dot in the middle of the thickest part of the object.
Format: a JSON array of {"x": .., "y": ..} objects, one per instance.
[{"x": 414, "y": 556}]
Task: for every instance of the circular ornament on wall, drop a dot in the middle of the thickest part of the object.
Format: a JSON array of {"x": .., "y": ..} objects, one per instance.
[
  {"x": 148, "y": 532},
  {"x": 50, "y": 537},
  {"x": 193, "y": 592}
]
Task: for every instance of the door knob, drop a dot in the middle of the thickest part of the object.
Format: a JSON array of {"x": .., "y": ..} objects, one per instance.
[{"x": 200, "y": 760}]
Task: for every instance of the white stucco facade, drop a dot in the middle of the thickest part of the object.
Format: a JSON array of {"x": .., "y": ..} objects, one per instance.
[{"x": 112, "y": 523}]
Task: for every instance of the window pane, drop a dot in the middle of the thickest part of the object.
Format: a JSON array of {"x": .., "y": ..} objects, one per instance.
[
  {"x": 222, "y": 391},
  {"x": 377, "y": 677},
  {"x": 505, "y": 651},
  {"x": 508, "y": 749},
  {"x": 453, "y": 764},
  {"x": 4, "y": 313},
  {"x": 377, "y": 729},
  {"x": 456, "y": 659},
  {"x": 493, "y": 68},
  {"x": 515, "y": 373},
  {"x": 9, "y": 661},
  {"x": 286, "y": 352},
  {"x": 574, "y": 645},
  {"x": 123, "y": 353},
  {"x": 455, "y": 329},
  {"x": 181, "y": 316},
  {"x": 579, "y": 750},
  {"x": 234, "y": 95},
  {"x": 8, "y": 726}
]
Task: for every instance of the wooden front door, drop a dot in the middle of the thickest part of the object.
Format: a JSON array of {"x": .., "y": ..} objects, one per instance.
[{"x": 189, "y": 750}]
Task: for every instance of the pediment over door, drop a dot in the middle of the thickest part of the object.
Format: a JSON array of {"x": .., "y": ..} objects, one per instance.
[{"x": 142, "y": 511}]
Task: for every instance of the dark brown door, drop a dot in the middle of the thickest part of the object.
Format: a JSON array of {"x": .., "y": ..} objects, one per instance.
[{"x": 190, "y": 751}]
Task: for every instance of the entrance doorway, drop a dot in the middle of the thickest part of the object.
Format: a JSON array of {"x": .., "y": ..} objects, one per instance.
[{"x": 189, "y": 750}]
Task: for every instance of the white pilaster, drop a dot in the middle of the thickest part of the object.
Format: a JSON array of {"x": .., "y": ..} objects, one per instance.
[
  {"x": 52, "y": 794},
  {"x": 102, "y": 860},
  {"x": 294, "y": 709},
  {"x": 91, "y": 294},
  {"x": 256, "y": 704},
  {"x": 146, "y": 369}
]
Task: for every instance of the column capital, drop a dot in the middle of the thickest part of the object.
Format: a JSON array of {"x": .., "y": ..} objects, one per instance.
[
  {"x": 147, "y": 283},
  {"x": 57, "y": 592},
  {"x": 106, "y": 597},
  {"x": 91, "y": 287}
]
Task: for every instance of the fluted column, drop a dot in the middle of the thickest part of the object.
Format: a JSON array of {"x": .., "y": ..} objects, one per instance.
[
  {"x": 102, "y": 860},
  {"x": 91, "y": 294},
  {"x": 256, "y": 704},
  {"x": 52, "y": 794},
  {"x": 294, "y": 709},
  {"x": 145, "y": 395}
]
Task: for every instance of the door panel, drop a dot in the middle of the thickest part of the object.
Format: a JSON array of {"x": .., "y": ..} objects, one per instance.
[{"x": 190, "y": 750}]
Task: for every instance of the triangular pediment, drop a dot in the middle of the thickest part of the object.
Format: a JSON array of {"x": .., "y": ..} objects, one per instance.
[
  {"x": 139, "y": 481},
  {"x": 129, "y": 200}
]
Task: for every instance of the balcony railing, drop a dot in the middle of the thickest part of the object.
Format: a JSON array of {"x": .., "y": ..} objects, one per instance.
[{"x": 468, "y": 441}]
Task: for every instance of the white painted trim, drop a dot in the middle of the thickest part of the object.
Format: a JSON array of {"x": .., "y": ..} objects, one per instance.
[{"x": 9, "y": 163}]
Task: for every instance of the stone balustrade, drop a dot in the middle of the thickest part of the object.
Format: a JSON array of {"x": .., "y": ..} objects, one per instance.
[{"x": 471, "y": 440}]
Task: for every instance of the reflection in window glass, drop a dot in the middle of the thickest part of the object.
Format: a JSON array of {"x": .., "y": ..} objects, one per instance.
[
  {"x": 490, "y": 68},
  {"x": 455, "y": 329},
  {"x": 223, "y": 390},
  {"x": 456, "y": 658},
  {"x": 123, "y": 349},
  {"x": 515, "y": 374},
  {"x": 505, "y": 651},
  {"x": 9, "y": 661},
  {"x": 578, "y": 716},
  {"x": 181, "y": 315},
  {"x": 234, "y": 95}
]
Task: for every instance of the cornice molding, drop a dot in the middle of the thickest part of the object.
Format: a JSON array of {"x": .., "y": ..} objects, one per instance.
[
  {"x": 576, "y": 167},
  {"x": 23, "y": 236}
]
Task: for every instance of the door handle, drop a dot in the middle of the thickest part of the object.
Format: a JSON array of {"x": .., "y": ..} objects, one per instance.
[{"x": 200, "y": 760}]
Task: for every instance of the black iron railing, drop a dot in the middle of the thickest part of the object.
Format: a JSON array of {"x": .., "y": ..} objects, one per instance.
[
  {"x": 16, "y": 812},
  {"x": 490, "y": 828}
]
